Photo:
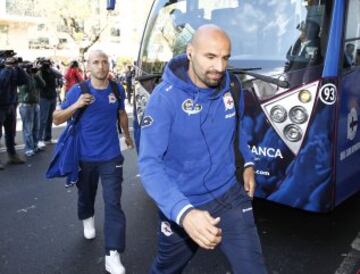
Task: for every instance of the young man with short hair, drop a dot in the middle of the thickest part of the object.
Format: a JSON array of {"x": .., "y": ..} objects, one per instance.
[{"x": 100, "y": 154}]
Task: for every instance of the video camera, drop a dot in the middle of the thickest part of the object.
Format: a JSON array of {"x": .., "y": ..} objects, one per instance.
[
  {"x": 7, "y": 58},
  {"x": 43, "y": 63},
  {"x": 7, "y": 53},
  {"x": 30, "y": 67}
]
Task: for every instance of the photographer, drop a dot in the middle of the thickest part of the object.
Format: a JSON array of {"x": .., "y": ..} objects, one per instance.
[
  {"x": 48, "y": 97},
  {"x": 11, "y": 76},
  {"x": 29, "y": 99}
]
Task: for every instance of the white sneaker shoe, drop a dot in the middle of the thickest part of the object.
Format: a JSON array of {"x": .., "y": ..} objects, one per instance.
[
  {"x": 29, "y": 153},
  {"x": 41, "y": 145},
  {"x": 89, "y": 228},
  {"x": 113, "y": 263}
]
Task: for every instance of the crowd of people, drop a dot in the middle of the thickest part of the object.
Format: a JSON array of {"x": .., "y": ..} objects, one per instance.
[{"x": 34, "y": 89}]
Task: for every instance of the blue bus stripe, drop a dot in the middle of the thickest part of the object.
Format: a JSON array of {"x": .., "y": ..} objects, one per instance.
[{"x": 333, "y": 53}]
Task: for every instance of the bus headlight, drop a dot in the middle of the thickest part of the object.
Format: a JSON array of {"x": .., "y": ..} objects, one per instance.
[
  {"x": 298, "y": 115},
  {"x": 278, "y": 114},
  {"x": 304, "y": 96},
  {"x": 293, "y": 133}
]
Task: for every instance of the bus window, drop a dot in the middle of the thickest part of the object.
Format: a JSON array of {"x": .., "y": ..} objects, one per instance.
[
  {"x": 159, "y": 47},
  {"x": 352, "y": 36},
  {"x": 305, "y": 50},
  {"x": 349, "y": 55},
  {"x": 264, "y": 34},
  {"x": 171, "y": 30}
]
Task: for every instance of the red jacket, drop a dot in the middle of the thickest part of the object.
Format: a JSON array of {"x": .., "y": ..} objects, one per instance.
[{"x": 72, "y": 77}]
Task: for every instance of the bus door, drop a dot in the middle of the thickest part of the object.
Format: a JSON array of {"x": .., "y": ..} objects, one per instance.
[{"x": 348, "y": 143}]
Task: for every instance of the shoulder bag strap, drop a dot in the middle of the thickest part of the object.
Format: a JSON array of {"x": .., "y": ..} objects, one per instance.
[
  {"x": 115, "y": 90},
  {"x": 236, "y": 89},
  {"x": 84, "y": 89}
]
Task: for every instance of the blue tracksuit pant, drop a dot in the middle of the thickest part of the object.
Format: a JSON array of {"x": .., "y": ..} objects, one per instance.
[
  {"x": 111, "y": 174},
  {"x": 240, "y": 242}
]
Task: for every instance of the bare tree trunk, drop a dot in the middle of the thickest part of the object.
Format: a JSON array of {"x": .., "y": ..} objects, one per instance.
[{"x": 83, "y": 50}]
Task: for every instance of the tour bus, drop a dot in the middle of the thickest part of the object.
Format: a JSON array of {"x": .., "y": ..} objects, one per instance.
[{"x": 299, "y": 65}]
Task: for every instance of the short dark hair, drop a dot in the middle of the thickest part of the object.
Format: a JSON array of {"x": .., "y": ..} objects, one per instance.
[
  {"x": 348, "y": 45},
  {"x": 74, "y": 64}
]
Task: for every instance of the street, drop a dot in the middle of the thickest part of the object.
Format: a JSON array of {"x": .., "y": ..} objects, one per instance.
[{"x": 40, "y": 233}]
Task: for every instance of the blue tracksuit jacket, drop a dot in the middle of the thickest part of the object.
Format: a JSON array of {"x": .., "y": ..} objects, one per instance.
[{"x": 186, "y": 154}]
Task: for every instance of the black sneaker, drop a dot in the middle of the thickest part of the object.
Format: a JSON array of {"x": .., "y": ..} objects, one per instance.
[
  {"x": 15, "y": 160},
  {"x": 38, "y": 149}
]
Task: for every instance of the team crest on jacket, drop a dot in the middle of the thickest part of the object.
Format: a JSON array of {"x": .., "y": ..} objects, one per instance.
[
  {"x": 228, "y": 101},
  {"x": 112, "y": 98},
  {"x": 189, "y": 108},
  {"x": 147, "y": 121}
]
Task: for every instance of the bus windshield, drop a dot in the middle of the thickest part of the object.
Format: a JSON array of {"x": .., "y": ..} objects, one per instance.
[{"x": 277, "y": 37}]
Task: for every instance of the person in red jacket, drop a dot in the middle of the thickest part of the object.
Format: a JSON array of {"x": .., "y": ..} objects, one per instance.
[{"x": 73, "y": 75}]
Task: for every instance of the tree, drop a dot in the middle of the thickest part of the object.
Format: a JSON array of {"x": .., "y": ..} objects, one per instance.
[{"x": 83, "y": 20}]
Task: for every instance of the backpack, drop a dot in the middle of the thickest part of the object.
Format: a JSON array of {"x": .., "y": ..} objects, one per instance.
[{"x": 236, "y": 89}]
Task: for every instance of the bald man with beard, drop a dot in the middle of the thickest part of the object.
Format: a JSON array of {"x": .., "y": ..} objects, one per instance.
[
  {"x": 187, "y": 161},
  {"x": 100, "y": 154}
]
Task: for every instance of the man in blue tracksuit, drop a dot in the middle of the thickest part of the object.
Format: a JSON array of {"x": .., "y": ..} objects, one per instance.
[
  {"x": 100, "y": 154},
  {"x": 187, "y": 161}
]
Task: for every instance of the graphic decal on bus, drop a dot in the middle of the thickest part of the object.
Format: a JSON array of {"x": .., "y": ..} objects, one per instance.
[{"x": 289, "y": 114}]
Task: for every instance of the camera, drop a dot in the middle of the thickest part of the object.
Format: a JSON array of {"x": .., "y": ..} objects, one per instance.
[
  {"x": 28, "y": 66},
  {"x": 43, "y": 63},
  {"x": 7, "y": 58}
]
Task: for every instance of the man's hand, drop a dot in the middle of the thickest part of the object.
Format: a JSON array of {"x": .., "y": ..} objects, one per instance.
[
  {"x": 84, "y": 100},
  {"x": 249, "y": 181},
  {"x": 129, "y": 142},
  {"x": 201, "y": 227},
  {"x": 62, "y": 115}
]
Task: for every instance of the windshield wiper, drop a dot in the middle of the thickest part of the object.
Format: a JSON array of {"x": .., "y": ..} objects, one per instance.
[
  {"x": 268, "y": 79},
  {"x": 149, "y": 76}
]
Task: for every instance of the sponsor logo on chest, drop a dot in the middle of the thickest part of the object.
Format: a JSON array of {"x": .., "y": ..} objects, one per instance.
[{"x": 189, "y": 108}]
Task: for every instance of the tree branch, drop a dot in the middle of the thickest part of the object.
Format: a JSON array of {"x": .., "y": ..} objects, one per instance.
[
  {"x": 69, "y": 26},
  {"x": 93, "y": 41}
]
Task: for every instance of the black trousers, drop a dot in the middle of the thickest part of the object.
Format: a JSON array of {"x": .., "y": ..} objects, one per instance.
[
  {"x": 8, "y": 121},
  {"x": 128, "y": 91}
]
